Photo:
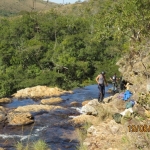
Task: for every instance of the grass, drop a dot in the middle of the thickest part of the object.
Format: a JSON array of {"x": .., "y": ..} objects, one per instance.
[
  {"x": 40, "y": 145},
  {"x": 19, "y": 146},
  {"x": 82, "y": 133},
  {"x": 103, "y": 114},
  {"x": 31, "y": 145},
  {"x": 37, "y": 145},
  {"x": 125, "y": 139}
]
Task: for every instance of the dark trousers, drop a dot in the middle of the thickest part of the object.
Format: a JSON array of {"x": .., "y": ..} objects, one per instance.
[
  {"x": 114, "y": 86},
  {"x": 101, "y": 95}
]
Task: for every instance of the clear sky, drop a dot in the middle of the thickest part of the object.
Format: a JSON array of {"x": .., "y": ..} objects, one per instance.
[{"x": 64, "y": 1}]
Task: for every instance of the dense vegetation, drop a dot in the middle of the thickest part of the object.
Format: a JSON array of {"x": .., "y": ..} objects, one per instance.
[{"x": 69, "y": 49}]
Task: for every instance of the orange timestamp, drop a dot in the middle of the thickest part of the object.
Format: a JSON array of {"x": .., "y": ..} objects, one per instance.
[{"x": 139, "y": 128}]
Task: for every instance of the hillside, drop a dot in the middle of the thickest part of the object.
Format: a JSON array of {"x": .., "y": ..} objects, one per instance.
[{"x": 12, "y": 7}]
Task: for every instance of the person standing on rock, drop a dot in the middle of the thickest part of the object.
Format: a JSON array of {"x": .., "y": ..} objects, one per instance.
[
  {"x": 101, "y": 80},
  {"x": 114, "y": 80}
]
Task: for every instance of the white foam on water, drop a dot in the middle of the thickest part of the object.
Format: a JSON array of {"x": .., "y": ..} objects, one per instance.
[
  {"x": 23, "y": 137},
  {"x": 41, "y": 129},
  {"x": 79, "y": 109},
  {"x": 72, "y": 116}
]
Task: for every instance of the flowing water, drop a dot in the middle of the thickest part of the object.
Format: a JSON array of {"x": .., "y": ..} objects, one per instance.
[{"x": 52, "y": 127}]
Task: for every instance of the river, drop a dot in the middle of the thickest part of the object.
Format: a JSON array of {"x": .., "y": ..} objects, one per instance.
[{"x": 52, "y": 127}]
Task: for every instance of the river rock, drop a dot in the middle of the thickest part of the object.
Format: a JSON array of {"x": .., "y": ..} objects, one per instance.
[
  {"x": 89, "y": 110},
  {"x": 75, "y": 104},
  {"x": 17, "y": 118},
  {"x": 94, "y": 102},
  {"x": 5, "y": 100},
  {"x": 38, "y": 108},
  {"x": 116, "y": 103},
  {"x": 39, "y": 92},
  {"x": 2, "y": 115},
  {"x": 52, "y": 101}
]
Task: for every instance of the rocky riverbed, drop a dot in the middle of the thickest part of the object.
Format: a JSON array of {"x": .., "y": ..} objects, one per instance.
[{"x": 43, "y": 113}]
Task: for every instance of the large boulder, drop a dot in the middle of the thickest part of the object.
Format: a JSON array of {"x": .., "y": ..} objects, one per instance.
[
  {"x": 75, "y": 104},
  {"x": 39, "y": 92},
  {"x": 5, "y": 100},
  {"x": 52, "y": 101},
  {"x": 38, "y": 108},
  {"x": 89, "y": 108},
  {"x": 17, "y": 118}
]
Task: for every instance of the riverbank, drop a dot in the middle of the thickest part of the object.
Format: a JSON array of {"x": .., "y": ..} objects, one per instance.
[{"x": 132, "y": 132}]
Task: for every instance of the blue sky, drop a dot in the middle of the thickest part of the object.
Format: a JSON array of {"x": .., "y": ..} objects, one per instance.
[{"x": 65, "y": 1}]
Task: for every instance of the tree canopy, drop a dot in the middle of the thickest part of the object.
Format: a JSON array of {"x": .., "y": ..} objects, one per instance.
[{"x": 69, "y": 49}]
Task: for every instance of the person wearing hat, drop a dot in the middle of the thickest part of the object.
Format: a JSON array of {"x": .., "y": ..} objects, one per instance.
[{"x": 101, "y": 81}]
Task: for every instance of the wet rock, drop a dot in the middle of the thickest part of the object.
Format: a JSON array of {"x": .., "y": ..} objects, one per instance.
[
  {"x": 39, "y": 92},
  {"x": 5, "y": 100},
  {"x": 16, "y": 118},
  {"x": 38, "y": 108},
  {"x": 75, "y": 104},
  {"x": 51, "y": 101}
]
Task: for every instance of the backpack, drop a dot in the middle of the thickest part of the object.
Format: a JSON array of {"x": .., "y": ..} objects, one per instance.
[
  {"x": 130, "y": 104},
  {"x": 117, "y": 117}
]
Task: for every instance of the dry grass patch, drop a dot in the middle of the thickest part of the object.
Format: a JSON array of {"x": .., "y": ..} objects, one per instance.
[
  {"x": 82, "y": 134},
  {"x": 82, "y": 119}
]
